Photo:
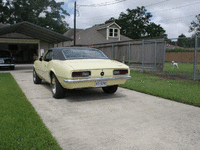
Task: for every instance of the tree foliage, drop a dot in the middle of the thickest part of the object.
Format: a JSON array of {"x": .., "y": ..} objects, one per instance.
[
  {"x": 136, "y": 24},
  {"x": 45, "y": 13},
  {"x": 195, "y": 25},
  {"x": 4, "y": 11},
  {"x": 183, "y": 41}
]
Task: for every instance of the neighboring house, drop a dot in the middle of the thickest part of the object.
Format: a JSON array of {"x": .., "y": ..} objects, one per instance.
[
  {"x": 99, "y": 34},
  {"x": 170, "y": 46},
  {"x": 26, "y": 39}
]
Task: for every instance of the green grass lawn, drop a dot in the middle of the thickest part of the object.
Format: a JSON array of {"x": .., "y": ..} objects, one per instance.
[
  {"x": 20, "y": 125},
  {"x": 187, "y": 92},
  {"x": 22, "y": 128}
]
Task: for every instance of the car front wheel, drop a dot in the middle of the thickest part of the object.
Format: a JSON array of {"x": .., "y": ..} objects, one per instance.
[
  {"x": 110, "y": 89},
  {"x": 57, "y": 90},
  {"x": 36, "y": 78}
]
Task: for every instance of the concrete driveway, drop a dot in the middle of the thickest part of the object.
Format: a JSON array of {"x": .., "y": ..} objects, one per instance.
[{"x": 91, "y": 120}]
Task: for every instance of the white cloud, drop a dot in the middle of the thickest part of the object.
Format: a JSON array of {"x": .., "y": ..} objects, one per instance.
[
  {"x": 43, "y": 14},
  {"x": 65, "y": 1},
  {"x": 174, "y": 16}
]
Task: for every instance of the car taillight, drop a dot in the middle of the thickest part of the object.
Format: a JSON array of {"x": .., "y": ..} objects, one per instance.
[
  {"x": 120, "y": 72},
  {"x": 81, "y": 74}
]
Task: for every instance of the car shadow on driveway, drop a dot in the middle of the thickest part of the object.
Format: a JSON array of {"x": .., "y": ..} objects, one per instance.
[
  {"x": 90, "y": 94},
  {"x": 87, "y": 94}
]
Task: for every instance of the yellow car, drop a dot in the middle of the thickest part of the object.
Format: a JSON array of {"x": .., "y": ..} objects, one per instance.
[{"x": 79, "y": 67}]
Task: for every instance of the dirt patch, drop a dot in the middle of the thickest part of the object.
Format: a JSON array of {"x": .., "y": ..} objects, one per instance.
[
  {"x": 171, "y": 76},
  {"x": 174, "y": 77}
]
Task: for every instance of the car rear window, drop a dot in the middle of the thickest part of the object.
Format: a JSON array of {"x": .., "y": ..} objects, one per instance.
[
  {"x": 5, "y": 54},
  {"x": 84, "y": 54}
]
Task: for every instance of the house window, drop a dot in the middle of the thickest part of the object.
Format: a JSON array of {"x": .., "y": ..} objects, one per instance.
[{"x": 113, "y": 32}]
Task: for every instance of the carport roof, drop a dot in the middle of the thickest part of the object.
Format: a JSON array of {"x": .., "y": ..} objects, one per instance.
[{"x": 34, "y": 31}]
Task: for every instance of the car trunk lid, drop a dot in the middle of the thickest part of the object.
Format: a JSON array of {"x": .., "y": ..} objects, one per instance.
[
  {"x": 99, "y": 68},
  {"x": 92, "y": 64}
]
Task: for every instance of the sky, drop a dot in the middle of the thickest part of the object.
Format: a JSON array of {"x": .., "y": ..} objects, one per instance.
[{"x": 175, "y": 16}]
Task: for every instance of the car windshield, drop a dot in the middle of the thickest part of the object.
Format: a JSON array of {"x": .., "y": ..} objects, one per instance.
[
  {"x": 4, "y": 54},
  {"x": 84, "y": 54}
]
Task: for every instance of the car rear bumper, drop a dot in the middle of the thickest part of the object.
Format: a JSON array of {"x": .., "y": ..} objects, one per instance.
[
  {"x": 95, "y": 79},
  {"x": 6, "y": 65}
]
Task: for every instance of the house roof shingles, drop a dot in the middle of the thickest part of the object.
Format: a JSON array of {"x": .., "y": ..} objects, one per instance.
[
  {"x": 91, "y": 35},
  {"x": 31, "y": 30}
]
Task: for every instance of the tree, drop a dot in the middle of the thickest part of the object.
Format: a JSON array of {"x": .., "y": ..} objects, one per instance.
[
  {"x": 185, "y": 42},
  {"x": 195, "y": 25},
  {"x": 181, "y": 40},
  {"x": 154, "y": 30},
  {"x": 45, "y": 13},
  {"x": 112, "y": 19},
  {"x": 136, "y": 24},
  {"x": 4, "y": 11}
]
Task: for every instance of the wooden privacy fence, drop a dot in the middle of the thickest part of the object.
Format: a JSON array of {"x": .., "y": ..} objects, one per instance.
[
  {"x": 182, "y": 57},
  {"x": 139, "y": 54}
]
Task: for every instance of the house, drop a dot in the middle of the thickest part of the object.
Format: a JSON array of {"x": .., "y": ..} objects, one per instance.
[
  {"x": 140, "y": 53},
  {"x": 98, "y": 34},
  {"x": 26, "y": 39}
]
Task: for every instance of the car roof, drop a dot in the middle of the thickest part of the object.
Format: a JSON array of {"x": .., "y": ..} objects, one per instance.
[
  {"x": 72, "y": 48},
  {"x": 58, "y": 54}
]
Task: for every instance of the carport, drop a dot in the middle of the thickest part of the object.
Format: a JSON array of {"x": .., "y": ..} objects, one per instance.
[{"x": 26, "y": 39}]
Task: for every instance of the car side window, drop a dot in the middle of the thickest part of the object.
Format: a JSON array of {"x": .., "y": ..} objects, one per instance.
[{"x": 48, "y": 56}]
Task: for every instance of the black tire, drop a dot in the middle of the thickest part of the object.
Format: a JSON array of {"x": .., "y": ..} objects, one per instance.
[
  {"x": 56, "y": 88},
  {"x": 110, "y": 89},
  {"x": 36, "y": 78},
  {"x": 12, "y": 67}
]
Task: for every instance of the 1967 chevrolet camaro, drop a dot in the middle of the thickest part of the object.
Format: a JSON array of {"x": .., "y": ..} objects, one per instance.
[{"x": 78, "y": 67}]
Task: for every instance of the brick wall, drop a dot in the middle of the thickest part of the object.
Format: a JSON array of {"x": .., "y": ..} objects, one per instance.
[{"x": 184, "y": 57}]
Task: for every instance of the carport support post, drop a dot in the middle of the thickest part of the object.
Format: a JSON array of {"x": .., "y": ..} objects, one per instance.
[
  {"x": 39, "y": 50},
  {"x": 129, "y": 52},
  {"x": 195, "y": 58},
  {"x": 164, "y": 56},
  {"x": 142, "y": 55}
]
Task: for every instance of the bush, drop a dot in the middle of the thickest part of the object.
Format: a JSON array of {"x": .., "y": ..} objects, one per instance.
[{"x": 180, "y": 50}]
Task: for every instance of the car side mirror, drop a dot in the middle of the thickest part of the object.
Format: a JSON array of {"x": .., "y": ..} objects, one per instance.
[{"x": 41, "y": 58}]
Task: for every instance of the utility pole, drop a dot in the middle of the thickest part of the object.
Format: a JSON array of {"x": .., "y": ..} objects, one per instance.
[{"x": 75, "y": 23}]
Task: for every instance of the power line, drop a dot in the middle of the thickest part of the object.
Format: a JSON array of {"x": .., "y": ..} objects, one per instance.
[
  {"x": 154, "y": 12},
  {"x": 102, "y": 4},
  {"x": 118, "y": 2},
  {"x": 157, "y": 3},
  {"x": 177, "y": 7},
  {"x": 163, "y": 20},
  {"x": 175, "y": 18}
]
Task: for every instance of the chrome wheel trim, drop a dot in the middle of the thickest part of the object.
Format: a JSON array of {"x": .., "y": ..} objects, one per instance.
[{"x": 53, "y": 85}]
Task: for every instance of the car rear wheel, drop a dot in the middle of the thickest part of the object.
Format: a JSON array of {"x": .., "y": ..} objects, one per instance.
[
  {"x": 36, "y": 78},
  {"x": 57, "y": 90},
  {"x": 110, "y": 89}
]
